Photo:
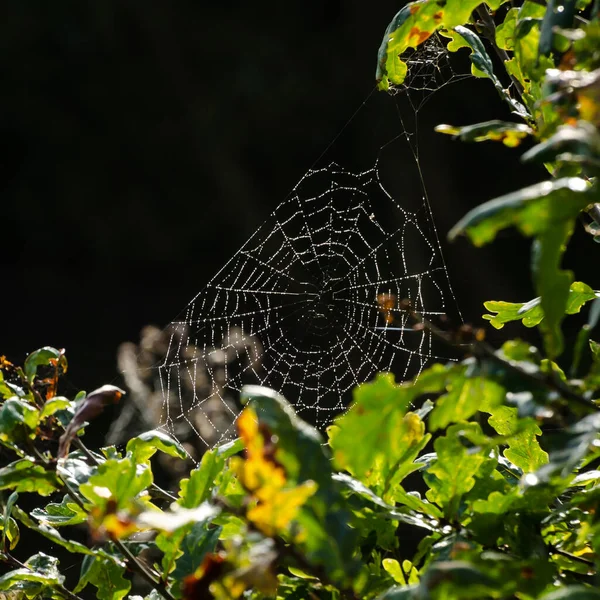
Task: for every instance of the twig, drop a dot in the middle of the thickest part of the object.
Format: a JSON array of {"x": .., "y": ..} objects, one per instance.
[
  {"x": 141, "y": 569},
  {"x": 135, "y": 564},
  {"x": 483, "y": 349}
]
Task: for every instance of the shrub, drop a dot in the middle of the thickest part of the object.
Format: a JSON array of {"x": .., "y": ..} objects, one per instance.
[{"x": 476, "y": 480}]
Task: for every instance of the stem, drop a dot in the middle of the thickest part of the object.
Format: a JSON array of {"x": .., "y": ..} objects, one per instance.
[
  {"x": 482, "y": 349},
  {"x": 137, "y": 565},
  {"x": 145, "y": 573}
]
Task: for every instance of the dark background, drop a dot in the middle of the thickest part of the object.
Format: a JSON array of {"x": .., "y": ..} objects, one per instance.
[{"x": 142, "y": 143}]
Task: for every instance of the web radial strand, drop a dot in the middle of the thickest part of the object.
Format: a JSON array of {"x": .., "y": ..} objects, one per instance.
[
  {"x": 298, "y": 308},
  {"x": 310, "y": 305}
]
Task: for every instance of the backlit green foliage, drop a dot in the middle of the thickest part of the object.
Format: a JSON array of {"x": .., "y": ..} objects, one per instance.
[{"x": 477, "y": 480}]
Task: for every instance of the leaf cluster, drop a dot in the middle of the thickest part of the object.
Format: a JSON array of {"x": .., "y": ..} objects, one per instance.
[{"x": 479, "y": 479}]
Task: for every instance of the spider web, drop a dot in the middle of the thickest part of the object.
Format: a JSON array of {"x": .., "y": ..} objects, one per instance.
[{"x": 299, "y": 307}]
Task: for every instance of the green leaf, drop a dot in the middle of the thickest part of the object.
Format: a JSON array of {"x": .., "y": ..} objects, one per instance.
[
  {"x": 53, "y": 535},
  {"x": 376, "y": 412},
  {"x": 479, "y": 56},
  {"x": 546, "y": 210},
  {"x": 411, "y": 26},
  {"x": 452, "y": 474},
  {"x": 54, "y": 405},
  {"x": 391, "y": 438},
  {"x": 196, "y": 544},
  {"x": 5, "y": 390},
  {"x": 484, "y": 67},
  {"x": 328, "y": 541},
  {"x": 106, "y": 576},
  {"x": 198, "y": 488},
  {"x": 175, "y": 527},
  {"x": 496, "y": 503},
  {"x": 409, "y": 592},
  {"x": 37, "y": 579},
  {"x": 415, "y": 504},
  {"x": 524, "y": 449},
  {"x": 392, "y": 566},
  {"x": 457, "y": 579},
  {"x": 577, "y": 141},
  {"x": 510, "y": 134},
  {"x": 552, "y": 283},
  {"x": 194, "y": 492},
  {"x": 43, "y": 357},
  {"x": 573, "y": 592},
  {"x": 8, "y": 526},
  {"x": 145, "y": 445},
  {"x": 567, "y": 448},
  {"x": 505, "y": 32},
  {"x": 526, "y": 43},
  {"x": 465, "y": 394},
  {"x": 117, "y": 480},
  {"x": 59, "y": 515},
  {"x": 531, "y": 209},
  {"x": 531, "y": 313},
  {"x": 25, "y": 476},
  {"x": 17, "y": 418}
]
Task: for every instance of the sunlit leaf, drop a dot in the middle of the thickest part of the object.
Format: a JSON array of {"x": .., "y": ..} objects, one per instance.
[
  {"x": 54, "y": 536},
  {"x": 43, "y": 357},
  {"x": 177, "y": 518},
  {"x": 412, "y": 26},
  {"x": 505, "y": 32},
  {"x": 573, "y": 592},
  {"x": 55, "y": 404},
  {"x": 510, "y": 134},
  {"x": 37, "y": 578},
  {"x": 119, "y": 481},
  {"x": 524, "y": 449},
  {"x": 463, "y": 399},
  {"x": 452, "y": 474},
  {"x": 25, "y": 476},
  {"x": 57, "y": 515},
  {"x": 145, "y": 445},
  {"x": 10, "y": 530},
  {"x": 531, "y": 209},
  {"x": 17, "y": 418},
  {"x": 531, "y": 313},
  {"x": 106, "y": 576}
]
